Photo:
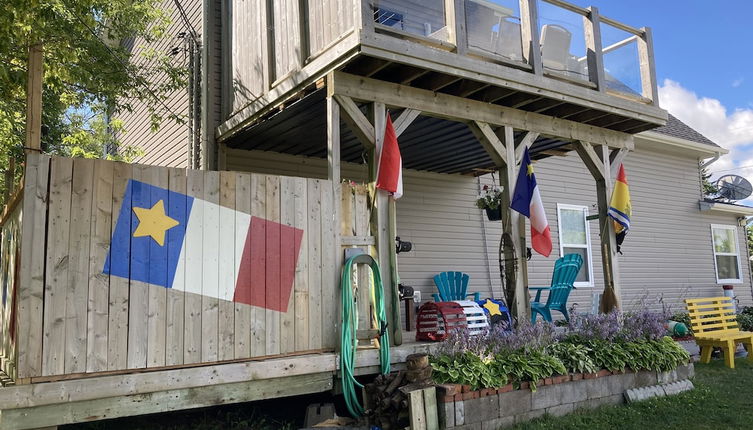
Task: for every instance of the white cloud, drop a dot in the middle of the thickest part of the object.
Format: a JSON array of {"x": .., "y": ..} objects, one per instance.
[
  {"x": 737, "y": 82},
  {"x": 732, "y": 130}
]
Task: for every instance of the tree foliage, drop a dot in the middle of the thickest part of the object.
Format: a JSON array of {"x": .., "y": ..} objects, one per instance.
[{"x": 89, "y": 71}]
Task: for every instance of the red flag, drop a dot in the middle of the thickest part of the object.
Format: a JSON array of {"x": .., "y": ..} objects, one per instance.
[{"x": 390, "y": 171}]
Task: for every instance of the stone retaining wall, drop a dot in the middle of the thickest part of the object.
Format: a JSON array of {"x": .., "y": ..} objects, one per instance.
[{"x": 460, "y": 408}]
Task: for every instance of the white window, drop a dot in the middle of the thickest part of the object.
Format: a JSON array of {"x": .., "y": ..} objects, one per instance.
[
  {"x": 726, "y": 253},
  {"x": 576, "y": 239}
]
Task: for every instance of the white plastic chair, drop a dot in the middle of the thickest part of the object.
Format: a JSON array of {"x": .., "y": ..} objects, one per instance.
[{"x": 555, "y": 47}]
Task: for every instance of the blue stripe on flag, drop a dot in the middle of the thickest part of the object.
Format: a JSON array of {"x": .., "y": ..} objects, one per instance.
[
  {"x": 142, "y": 258},
  {"x": 620, "y": 217}
]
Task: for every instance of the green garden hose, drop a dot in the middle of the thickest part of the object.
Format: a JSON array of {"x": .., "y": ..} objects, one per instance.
[{"x": 349, "y": 325}]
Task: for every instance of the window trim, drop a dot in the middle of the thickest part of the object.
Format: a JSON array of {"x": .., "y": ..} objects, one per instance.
[
  {"x": 736, "y": 254},
  {"x": 589, "y": 252}
]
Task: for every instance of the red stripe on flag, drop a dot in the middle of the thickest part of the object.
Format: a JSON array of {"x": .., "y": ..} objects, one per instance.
[
  {"x": 388, "y": 177},
  {"x": 542, "y": 242},
  {"x": 268, "y": 263}
]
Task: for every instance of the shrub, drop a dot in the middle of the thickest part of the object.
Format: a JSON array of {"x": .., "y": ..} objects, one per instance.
[
  {"x": 576, "y": 358},
  {"x": 530, "y": 366},
  {"x": 527, "y": 337},
  {"x": 467, "y": 369},
  {"x": 745, "y": 321},
  {"x": 531, "y": 352},
  {"x": 608, "y": 355}
]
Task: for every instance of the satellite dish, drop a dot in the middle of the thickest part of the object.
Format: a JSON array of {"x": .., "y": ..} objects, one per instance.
[{"x": 734, "y": 187}]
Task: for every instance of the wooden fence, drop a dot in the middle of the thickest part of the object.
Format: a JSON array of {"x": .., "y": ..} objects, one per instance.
[
  {"x": 10, "y": 260},
  {"x": 130, "y": 266}
]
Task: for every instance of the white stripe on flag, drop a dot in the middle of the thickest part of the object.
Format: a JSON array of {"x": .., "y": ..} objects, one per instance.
[{"x": 189, "y": 270}]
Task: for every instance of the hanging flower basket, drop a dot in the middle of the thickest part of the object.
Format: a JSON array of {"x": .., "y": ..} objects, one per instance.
[
  {"x": 494, "y": 214},
  {"x": 490, "y": 199}
]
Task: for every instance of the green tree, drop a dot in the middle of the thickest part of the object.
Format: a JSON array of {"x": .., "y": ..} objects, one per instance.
[
  {"x": 709, "y": 189},
  {"x": 89, "y": 72}
]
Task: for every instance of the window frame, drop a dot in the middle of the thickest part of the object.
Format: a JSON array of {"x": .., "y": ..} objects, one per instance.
[
  {"x": 587, "y": 246},
  {"x": 728, "y": 254}
]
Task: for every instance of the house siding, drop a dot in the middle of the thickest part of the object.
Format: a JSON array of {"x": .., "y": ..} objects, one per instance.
[
  {"x": 168, "y": 146},
  {"x": 667, "y": 256}
]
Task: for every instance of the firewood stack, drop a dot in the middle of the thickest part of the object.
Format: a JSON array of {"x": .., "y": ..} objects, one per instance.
[{"x": 387, "y": 397}]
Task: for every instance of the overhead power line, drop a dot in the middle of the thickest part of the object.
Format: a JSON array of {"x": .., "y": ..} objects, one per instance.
[{"x": 187, "y": 22}]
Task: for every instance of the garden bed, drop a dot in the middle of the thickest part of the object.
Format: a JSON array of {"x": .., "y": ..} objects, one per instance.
[
  {"x": 461, "y": 408},
  {"x": 507, "y": 376}
]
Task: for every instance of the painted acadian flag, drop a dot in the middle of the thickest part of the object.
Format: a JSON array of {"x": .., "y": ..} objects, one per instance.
[
  {"x": 153, "y": 223},
  {"x": 620, "y": 208}
]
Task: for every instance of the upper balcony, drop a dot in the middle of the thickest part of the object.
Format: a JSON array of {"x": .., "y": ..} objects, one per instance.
[{"x": 544, "y": 56}]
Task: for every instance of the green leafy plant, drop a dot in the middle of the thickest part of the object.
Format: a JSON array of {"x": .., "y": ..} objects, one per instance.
[
  {"x": 608, "y": 355},
  {"x": 467, "y": 369},
  {"x": 745, "y": 319},
  {"x": 489, "y": 198},
  {"x": 531, "y": 367},
  {"x": 576, "y": 358}
]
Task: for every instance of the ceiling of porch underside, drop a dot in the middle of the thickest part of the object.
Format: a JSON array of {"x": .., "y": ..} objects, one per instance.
[{"x": 429, "y": 144}]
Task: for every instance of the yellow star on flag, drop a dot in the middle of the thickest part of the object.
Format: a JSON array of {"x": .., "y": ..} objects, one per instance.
[
  {"x": 492, "y": 307},
  {"x": 154, "y": 222},
  {"x": 530, "y": 169}
]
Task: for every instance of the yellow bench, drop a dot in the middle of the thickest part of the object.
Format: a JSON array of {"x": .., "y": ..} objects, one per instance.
[{"x": 714, "y": 323}]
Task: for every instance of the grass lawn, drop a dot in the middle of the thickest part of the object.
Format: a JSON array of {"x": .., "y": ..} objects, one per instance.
[{"x": 722, "y": 399}]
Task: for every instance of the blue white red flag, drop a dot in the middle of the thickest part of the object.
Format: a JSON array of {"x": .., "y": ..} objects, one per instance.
[
  {"x": 527, "y": 200},
  {"x": 148, "y": 245}
]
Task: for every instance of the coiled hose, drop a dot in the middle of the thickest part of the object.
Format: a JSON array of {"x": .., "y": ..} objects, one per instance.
[{"x": 349, "y": 325}]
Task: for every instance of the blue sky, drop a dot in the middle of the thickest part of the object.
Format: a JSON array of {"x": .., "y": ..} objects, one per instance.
[{"x": 704, "y": 58}]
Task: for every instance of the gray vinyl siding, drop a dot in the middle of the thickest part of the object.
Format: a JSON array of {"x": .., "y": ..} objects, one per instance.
[
  {"x": 168, "y": 146},
  {"x": 667, "y": 255}
]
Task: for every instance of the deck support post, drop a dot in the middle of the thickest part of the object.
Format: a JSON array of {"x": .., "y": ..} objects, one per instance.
[
  {"x": 333, "y": 175},
  {"x": 599, "y": 162},
  {"x": 380, "y": 216},
  {"x": 500, "y": 145}
]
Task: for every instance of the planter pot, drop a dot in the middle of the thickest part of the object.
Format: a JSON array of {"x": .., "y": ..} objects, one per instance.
[{"x": 494, "y": 214}]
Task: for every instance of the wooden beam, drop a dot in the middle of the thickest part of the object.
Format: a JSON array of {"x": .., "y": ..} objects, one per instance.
[
  {"x": 513, "y": 243},
  {"x": 163, "y": 401},
  {"x": 612, "y": 296},
  {"x": 489, "y": 140},
  {"x": 617, "y": 157},
  {"x": 526, "y": 142},
  {"x": 356, "y": 120},
  {"x": 380, "y": 222},
  {"x": 594, "y": 54},
  {"x": 34, "y": 98},
  {"x": 460, "y": 33},
  {"x": 435, "y": 81},
  {"x": 333, "y": 141},
  {"x": 460, "y": 109},
  {"x": 590, "y": 159},
  {"x": 647, "y": 65},
  {"x": 600, "y": 167},
  {"x": 404, "y": 120},
  {"x": 529, "y": 32}
]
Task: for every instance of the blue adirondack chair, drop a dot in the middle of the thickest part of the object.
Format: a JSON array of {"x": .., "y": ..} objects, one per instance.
[
  {"x": 566, "y": 270},
  {"x": 453, "y": 286}
]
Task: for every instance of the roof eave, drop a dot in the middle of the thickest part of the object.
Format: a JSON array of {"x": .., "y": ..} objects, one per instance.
[
  {"x": 679, "y": 143},
  {"x": 726, "y": 208}
]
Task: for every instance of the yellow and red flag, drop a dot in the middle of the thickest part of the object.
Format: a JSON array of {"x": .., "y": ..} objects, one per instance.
[{"x": 620, "y": 209}]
